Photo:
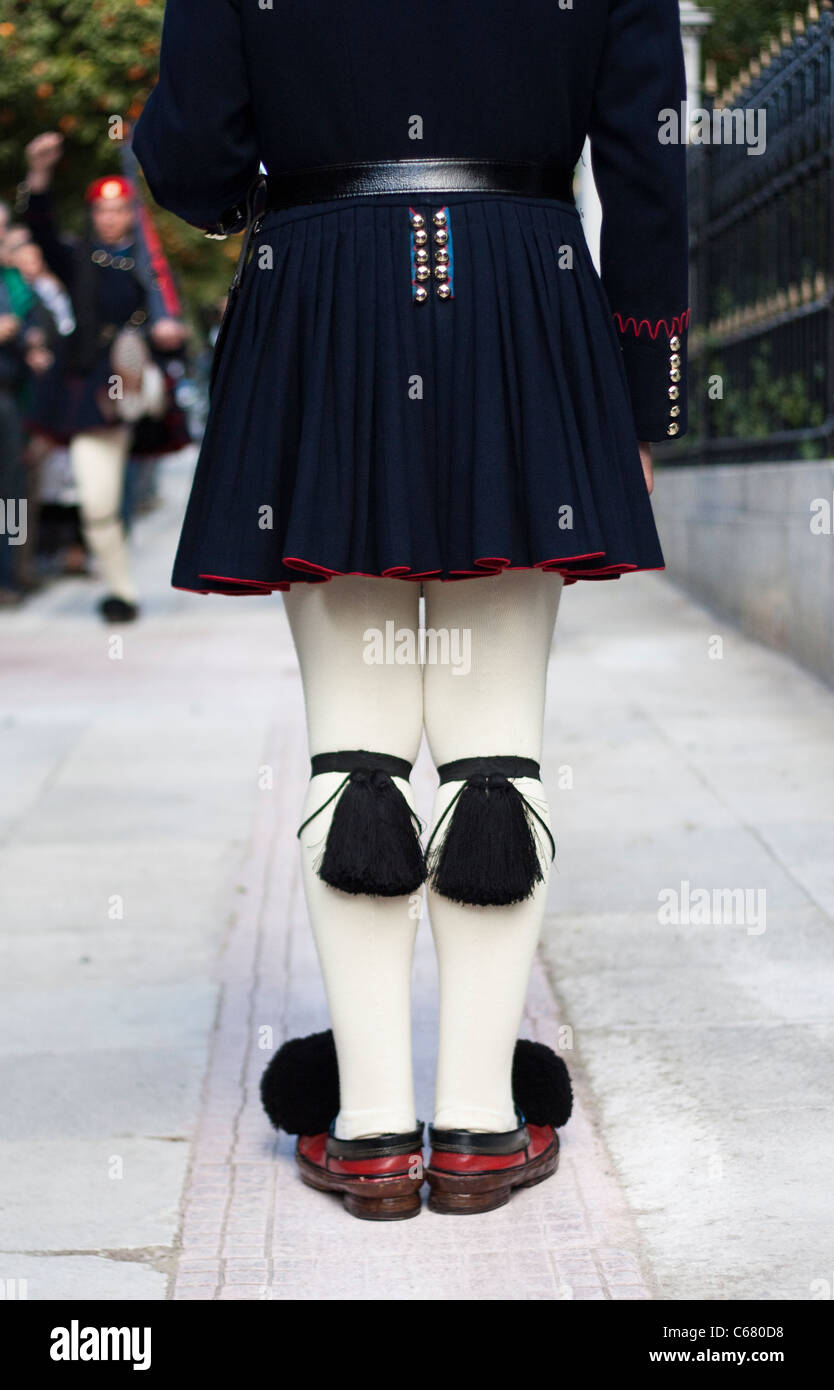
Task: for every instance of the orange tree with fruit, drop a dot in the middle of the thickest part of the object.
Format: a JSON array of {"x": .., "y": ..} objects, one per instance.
[{"x": 73, "y": 66}]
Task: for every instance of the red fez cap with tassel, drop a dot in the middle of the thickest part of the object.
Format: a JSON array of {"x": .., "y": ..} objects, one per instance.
[{"x": 109, "y": 187}]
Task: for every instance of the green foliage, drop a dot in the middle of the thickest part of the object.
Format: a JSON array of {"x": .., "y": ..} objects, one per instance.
[
  {"x": 740, "y": 30},
  {"x": 72, "y": 65},
  {"x": 770, "y": 403}
]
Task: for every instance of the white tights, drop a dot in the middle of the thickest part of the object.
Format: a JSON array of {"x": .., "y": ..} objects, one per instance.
[
  {"x": 365, "y": 944},
  {"x": 98, "y": 459}
]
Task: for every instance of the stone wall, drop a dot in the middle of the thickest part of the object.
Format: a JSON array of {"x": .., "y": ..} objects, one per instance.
[{"x": 739, "y": 537}]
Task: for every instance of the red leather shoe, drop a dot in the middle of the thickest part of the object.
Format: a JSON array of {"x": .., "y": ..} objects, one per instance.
[
  {"x": 471, "y": 1172},
  {"x": 379, "y": 1178}
]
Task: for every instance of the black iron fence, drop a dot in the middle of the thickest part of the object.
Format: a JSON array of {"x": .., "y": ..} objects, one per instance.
[{"x": 761, "y": 349}]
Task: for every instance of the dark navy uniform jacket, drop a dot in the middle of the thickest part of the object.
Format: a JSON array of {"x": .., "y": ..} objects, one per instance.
[{"x": 301, "y": 83}]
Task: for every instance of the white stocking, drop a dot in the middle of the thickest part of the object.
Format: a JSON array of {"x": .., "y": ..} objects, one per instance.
[
  {"x": 365, "y": 944},
  {"x": 484, "y": 954}
]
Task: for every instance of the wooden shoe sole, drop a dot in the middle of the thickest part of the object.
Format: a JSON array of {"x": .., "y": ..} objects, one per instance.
[
  {"x": 463, "y": 1194},
  {"x": 371, "y": 1199}
]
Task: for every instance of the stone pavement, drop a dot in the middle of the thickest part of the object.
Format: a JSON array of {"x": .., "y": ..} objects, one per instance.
[
  {"x": 252, "y": 1230},
  {"x": 703, "y": 763},
  {"x": 155, "y": 951}
]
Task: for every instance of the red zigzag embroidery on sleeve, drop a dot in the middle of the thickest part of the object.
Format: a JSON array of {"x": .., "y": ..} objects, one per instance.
[{"x": 679, "y": 323}]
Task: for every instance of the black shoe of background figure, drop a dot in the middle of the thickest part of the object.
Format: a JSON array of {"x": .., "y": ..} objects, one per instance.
[{"x": 117, "y": 610}]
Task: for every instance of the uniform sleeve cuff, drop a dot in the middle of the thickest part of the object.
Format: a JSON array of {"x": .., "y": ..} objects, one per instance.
[
  {"x": 656, "y": 373},
  {"x": 232, "y": 220}
]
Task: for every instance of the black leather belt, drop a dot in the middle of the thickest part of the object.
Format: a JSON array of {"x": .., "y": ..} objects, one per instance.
[{"x": 417, "y": 176}]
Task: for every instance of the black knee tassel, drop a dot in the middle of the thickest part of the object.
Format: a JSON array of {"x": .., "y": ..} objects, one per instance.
[
  {"x": 373, "y": 844},
  {"x": 490, "y": 854}
]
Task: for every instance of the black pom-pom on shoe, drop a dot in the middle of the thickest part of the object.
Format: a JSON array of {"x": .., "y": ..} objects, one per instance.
[
  {"x": 541, "y": 1084},
  {"x": 300, "y": 1086}
]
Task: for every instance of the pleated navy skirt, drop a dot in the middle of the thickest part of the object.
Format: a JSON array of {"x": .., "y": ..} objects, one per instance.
[{"x": 354, "y": 429}]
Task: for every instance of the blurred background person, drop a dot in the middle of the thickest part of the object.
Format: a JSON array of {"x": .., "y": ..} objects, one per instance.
[
  {"x": 49, "y": 324},
  {"x": 24, "y": 328},
  {"x": 108, "y": 378},
  {"x": 12, "y": 368}
]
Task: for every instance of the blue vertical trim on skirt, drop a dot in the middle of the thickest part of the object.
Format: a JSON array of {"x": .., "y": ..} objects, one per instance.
[
  {"x": 414, "y": 281},
  {"x": 450, "y": 248}
]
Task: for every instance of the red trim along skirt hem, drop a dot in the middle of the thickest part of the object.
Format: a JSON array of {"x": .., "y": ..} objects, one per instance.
[{"x": 487, "y": 566}]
